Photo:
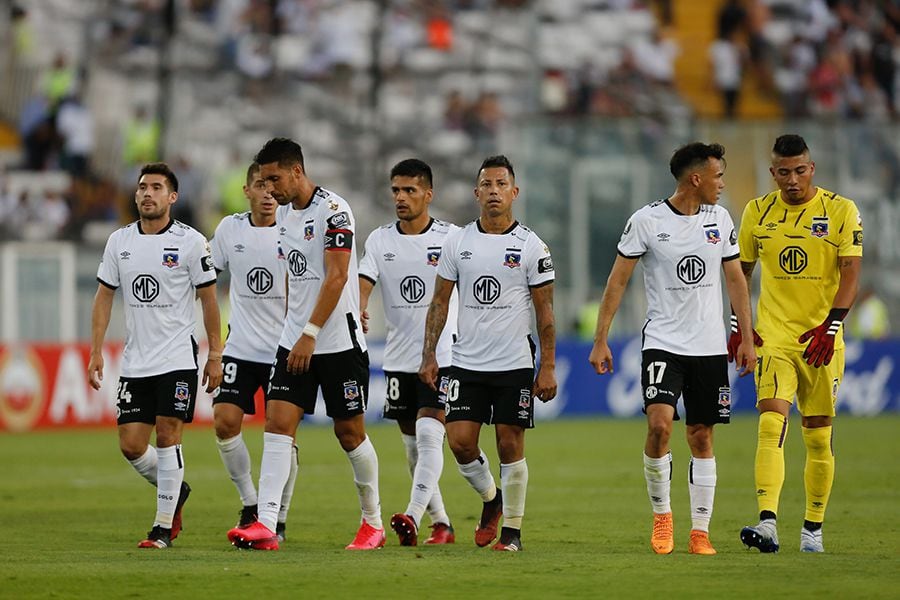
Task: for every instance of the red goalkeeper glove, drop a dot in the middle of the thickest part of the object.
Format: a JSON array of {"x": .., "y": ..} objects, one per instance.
[
  {"x": 734, "y": 340},
  {"x": 821, "y": 348}
]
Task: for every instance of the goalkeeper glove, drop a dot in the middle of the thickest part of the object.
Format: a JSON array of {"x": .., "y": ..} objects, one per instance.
[
  {"x": 821, "y": 347},
  {"x": 734, "y": 340}
]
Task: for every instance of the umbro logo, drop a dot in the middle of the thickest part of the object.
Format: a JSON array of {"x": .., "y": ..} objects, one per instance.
[
  {"x": 389, "y": 256},
  {"x": 663, "y": 237},
  {"x": 239, "y": 247},
  {"x": 770, "y": 226},
  {"x": 465, "y": 255},
  {"x": 125, "y": 255}
]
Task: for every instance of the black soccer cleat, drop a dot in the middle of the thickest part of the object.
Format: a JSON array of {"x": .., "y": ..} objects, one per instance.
[
  {"x": 176, "y": 518},
  {"x": 510, "y": 540},
  {"x": 248, "y": 516},
  {"x": 158, "y": 537},
  {"x": 280, "y": 531}
]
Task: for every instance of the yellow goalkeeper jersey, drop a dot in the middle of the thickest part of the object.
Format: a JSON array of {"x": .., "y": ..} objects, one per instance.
[{"x": 798, "y": 248}]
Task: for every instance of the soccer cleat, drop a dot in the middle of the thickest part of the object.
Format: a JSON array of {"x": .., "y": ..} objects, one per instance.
[
  {"x": 280, "y": 531},
  {"x": 486, "y": 530},
  {"x": 763, "y": 536},
  {"x": 510, "y": 540},
  {"x": 663, "y": 539},
  {"x": 176, "y": 518},
  {"x": 248, "y": 516},
  {"x": 255, "y": 536},
  {"x": 700, "y": 544},
  {"x": 441, "y": 533},
  {"x": 158, "y": 537},
  {"x": 367, "y": 538},
  {"x": 405, "y": 528},
  {"x": 811, "y": 541}
]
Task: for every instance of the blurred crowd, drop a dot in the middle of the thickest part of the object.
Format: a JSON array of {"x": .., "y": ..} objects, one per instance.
[{"x": 820, "y": 58}]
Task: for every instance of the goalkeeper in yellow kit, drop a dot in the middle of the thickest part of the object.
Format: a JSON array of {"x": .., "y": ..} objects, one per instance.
[{"x": 809, "y": 243}]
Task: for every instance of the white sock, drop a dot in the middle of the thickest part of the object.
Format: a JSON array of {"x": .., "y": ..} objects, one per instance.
[
  {"x": 514, "y": 482},
  {"x": 478, "y": 474},
  {"x": 702, "y": 485},
  {"x": 288, "y": 492},
  {"x": 365, "y": 475},
  {"x": 430, "y": 444},
  {"x": 169, "y": 475},
  {"x": 273, "y": 474},
  {"x": 145, "y": 465},
  {"x": 236, "y": 458},
  {"x": 412, "y": 452},
  {"x": 658, "y": 473}
]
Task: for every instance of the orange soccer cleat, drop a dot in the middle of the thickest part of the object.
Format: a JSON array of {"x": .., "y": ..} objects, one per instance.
[{"x": 663, "y": 539}]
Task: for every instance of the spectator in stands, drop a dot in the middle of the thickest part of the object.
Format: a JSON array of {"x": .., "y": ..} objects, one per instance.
[
  {"x": 59, "y": 81},
  {"x": 883, "y": 64},
  {"x": 727, "y": 56},
  {"x": 141, "y": 138},
  {"x": 75, "y": 126},
  {"x": 37, "y": 133},
  {"x": 655, "y": 57}
]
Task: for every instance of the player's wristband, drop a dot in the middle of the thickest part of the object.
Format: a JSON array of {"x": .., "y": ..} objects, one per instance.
[
  {"x": 214, "y": 356},
  {"x": 835, "y": 318},
  {"x": 311, "y": 330},
  {"x": 734, "y": 323}
]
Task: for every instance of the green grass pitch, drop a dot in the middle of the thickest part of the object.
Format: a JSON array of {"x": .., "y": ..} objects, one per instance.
[{"x": 73, "y": 511}]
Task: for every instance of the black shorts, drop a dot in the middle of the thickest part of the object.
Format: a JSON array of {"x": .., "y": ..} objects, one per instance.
[
  {"x": 701, "y": 380},
  {"x": 142, "y": 399},
  {"x": 240, "y": 380},
  {"x": 343, "y": 377},
  {"x": 498, "y": 397},
  {"x": 406, "y": 394}
]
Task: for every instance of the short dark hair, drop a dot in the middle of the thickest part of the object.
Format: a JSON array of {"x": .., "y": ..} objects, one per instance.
[
  {"x": 251, "y": 171},
  {"x": 413, "y": 167},
  {"x": 284, "y": 151},
  {"x": 160, "y": 168},
  {"x": 789, "y": 144},
  {"x": 498, "y": 161},
  {"x": 693, "y": 155}
]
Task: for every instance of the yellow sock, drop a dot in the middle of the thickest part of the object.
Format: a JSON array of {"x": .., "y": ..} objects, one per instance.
[
  {"x": 819, "y": 472},
  {"x": 770, "y": 459}
]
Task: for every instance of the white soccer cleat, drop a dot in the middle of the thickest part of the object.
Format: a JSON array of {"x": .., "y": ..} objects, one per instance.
[
  {"x": 811, "y": 541},
  {"x": 764, "y": 536}
]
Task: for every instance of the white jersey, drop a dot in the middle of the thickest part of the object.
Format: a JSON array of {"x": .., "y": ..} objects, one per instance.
[
  {"x": 158, "y": 274},
  {"x": 494, "y": 274},
  {"x": 406, "y": 266},
  {"x": 682, "y": 256},
  {"x": 258, "y": 290},
  {"x": 325, "y": 225}
]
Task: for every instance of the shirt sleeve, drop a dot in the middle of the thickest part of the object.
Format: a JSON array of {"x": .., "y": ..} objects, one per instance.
[
  {"x": 368, "y": 265},
  {"x": 200, "y": 265},
  {"x": 632, "y": 244},
  {"x": 539, "y": 269},
  {"x": 108, "y": 271},
  {"x": 217, "y": 247},
  {"x": 339, "y": 229},
  {"x": 447, "y": 266},
  {"x": 745, "y": 234},
  {"x": 730, "y": 248},
  {"x": 851, "y": 236}
]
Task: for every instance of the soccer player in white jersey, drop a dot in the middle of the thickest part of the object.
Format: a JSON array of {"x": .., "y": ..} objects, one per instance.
[
  {"x": 403, "y": 256},
  {"x": 247, "y": 245},
  {"x": 682, "y": 240},
  {"x": 322, "y": 344},
  {"x": 160, "y": 264},
  {"x": 501, "y": 269}
]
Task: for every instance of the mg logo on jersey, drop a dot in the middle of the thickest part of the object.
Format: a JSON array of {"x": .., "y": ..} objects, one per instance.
[
  {"x": 691, "y": 269},
  {"x": 793, "y": 260},
  {"x": 145, "y": 288},
  {"x": 486, "y": 289},
  {"x": 259, "y": 280},
  {"x": 296, "y": 263},
  {"x": 412, "y": 288}
]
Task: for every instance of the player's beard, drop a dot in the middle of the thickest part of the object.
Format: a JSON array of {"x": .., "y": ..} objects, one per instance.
[{"x": 152, "y": 214}]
